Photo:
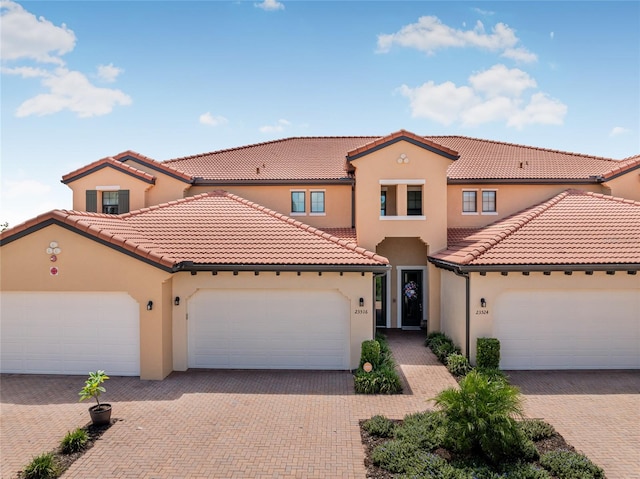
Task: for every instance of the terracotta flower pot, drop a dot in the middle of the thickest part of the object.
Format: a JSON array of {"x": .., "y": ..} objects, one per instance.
[{"x": 100, "y": 415}]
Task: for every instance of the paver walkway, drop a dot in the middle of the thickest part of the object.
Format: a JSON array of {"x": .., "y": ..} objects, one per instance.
[{"x": 282, "y": 424}]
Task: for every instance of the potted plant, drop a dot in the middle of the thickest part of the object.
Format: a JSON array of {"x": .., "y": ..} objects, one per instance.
[{"x": 100, "y": 413}]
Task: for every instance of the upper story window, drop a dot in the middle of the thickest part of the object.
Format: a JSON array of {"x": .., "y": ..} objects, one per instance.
[
  {"x": 414, "y": 200},
  {"x": 383, "y": 202},
  {"x": 317, "y": 202},
  {"x": 298, "y": 202},
  {"x": 110, "y": 202},
  {"x": 489, "y": 201},
  {"x": 470, "y": 201}
]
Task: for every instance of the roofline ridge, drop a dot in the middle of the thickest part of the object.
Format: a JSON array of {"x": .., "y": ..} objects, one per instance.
[
  {"x": 166, "y": 204},
  {"x": 506, "y": 143},
  {"x": 161, "y": 164},
  {"x": 617, "y": 199},
  {"x": 109, "y": 160},
  {"x": 305, "y": 227}
]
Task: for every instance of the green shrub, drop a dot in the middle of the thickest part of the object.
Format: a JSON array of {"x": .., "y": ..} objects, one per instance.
[
  {"x": 493, "y": 374},
  {"x": 396, "y": 456},
  {"x": 570, "y": 465},
  {"x": 474, "y": 468},
  {"x": 42, "y": 467},
  {"x": 444, "y": 349},
  {"x": 425, "y": 429},
  {"x": 370, "y": 353},
  {"x": 379, "y": 426},
  {"x": 480, "y": 416},
  {"x": 74, "y": 441},
  {"x": 434, "y": 337},
  {"x": 384, "y": 380},
  {"x": 457, "y": 364},
  {"x": 431, "y": 466},
  {"x": 488, "y": 353},
  {"x": 536, "y": 429}
]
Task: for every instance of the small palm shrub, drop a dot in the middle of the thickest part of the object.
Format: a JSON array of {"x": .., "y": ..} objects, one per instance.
[
  {"x": 488, "y": 353},
  {"x": 384, "y": 380},
  {"x": 570, "y": 465},
  {"x": 426, "y": 429},
  {"x": 536, "y": 429},
  {"x": 74, "y": 441},
  {"x": 43, "y": 466},
  {"x": 480, "y": 417},
  {"x": 457, "y": 364},
  {"x": 379, "y": 426}
]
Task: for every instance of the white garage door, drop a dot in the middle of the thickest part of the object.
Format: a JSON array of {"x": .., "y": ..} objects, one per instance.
[
  {"x": 569, "y": 329},
  {"x": 69, "y": 333},
  {"x": 267, "y": 329}
]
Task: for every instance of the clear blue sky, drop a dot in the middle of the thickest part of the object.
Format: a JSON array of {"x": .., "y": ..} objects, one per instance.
[{"x": 83, "y": 80}]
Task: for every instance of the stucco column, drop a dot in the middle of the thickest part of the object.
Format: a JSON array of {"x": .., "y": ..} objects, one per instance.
[{"x": 401, "y": 200}]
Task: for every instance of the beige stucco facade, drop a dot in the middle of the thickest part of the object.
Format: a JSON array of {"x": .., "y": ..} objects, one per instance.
[{"x": 109, "y": 179}]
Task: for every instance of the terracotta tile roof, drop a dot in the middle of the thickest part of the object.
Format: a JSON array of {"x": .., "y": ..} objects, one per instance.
[
  {"x": 156, "y": 165},
  {"x": 486, "y": 160},
  {"x": 574, "y": 227},
  {"x": 312, "y": 158},
  {"x": 401, "y": 134},
  {"x": 347, "y": 234},
  {"x": 631, "y": 163},
  {"x": 213, "y": 228},
  {"x": 107, "y": 163},
  {"x": 454, "y": 235}
]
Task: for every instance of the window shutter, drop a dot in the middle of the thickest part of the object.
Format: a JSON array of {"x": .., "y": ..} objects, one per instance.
[
  {"x": 123, "y": 201},
  {"x": 92, "y": 201}
]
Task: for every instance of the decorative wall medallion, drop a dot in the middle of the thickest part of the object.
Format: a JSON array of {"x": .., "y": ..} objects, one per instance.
[{"x": 53, "y": 271}]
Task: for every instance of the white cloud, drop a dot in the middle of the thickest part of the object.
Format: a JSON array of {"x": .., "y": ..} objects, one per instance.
[
  {"x": 108, "y": 73},
  {"x": 429, "y": 34},
  {"x": 618, "y": 130},
  {"x": 479, "y": 11},
  {"x": 67, "y": 90},
  {"x": 270, "y": 5},
  {"x": 208, "y": 119},
  {"x": 496, "y": 94},
  {"x": 25, "y": 36},
  {"x": 277, "y": 128},
  {"x": 500, "y": 80}
]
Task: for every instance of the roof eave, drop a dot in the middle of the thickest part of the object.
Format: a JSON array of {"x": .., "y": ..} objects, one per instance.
[
  {"x": 302, "y": 268},
  {"x": 273, "y": 182},
  {"x": 518, "y": 268},
  {"x": 420, "y": 144},
  {"x": 532, "y": 181}
]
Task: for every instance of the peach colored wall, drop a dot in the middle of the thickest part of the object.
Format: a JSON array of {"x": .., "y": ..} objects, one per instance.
[
  {"x": 278, "y": 198},
  {"x": 510, "y": 199},
  {"x": 382, "y": 165},
  {"x": 625, "y": 186},
  {"x": 108, "y": 177},
  {"x": 352, "y": 285},
  {"x": 493, "y": 285},
  {"x": 86, "y": 265},
  {"x": 165, "y": 189}
]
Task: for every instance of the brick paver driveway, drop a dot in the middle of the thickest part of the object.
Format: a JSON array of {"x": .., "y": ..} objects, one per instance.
[{"x": 282, "y": 424}]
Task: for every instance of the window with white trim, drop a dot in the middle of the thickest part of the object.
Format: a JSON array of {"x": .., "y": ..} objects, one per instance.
[
  {"x": 298, "y": 202},
  {"x": 469, "y": 201},
  {"x": 489, "y": 201},
  {"x": 317, "y": 202},
  {"x": 414, "y": 200}
]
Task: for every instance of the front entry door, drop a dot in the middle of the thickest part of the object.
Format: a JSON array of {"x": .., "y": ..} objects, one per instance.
[{"x": 412, "y": 283}]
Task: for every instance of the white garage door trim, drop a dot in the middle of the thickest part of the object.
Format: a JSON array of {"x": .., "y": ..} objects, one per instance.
[
  {"x": 69, "y": 333},
  {"x": 579, "y": 329},
  {"x": 269, "y": 329}
]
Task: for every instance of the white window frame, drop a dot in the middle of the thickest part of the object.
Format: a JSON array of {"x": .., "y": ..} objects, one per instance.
[
  {"x": 407, "y": 182},
  {"x": 495, "y": 201},
  {"x": 470, "y": 213},
  {"x": 324, "y": 203},
  {"x": 298, "y": 213}
]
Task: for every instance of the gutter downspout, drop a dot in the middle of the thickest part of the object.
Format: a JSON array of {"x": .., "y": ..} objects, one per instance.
[{"x": 468, "y": 305}]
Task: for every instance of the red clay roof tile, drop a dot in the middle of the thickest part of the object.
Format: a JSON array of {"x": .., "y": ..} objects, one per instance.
[
  {"x": 107, "y": 163},
  {"x": 574, "y": 227}
]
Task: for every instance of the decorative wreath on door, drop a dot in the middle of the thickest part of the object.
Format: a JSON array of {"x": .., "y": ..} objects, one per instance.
[{"x": 411, "y": 291}]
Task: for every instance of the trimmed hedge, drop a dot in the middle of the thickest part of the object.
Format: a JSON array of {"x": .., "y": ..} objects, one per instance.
[
  {"x": 370, "y": 353},
  {"x": 384, "y": 378},
  {"x": 570, "y": 465},
  {"x": 488, "y": 353}
]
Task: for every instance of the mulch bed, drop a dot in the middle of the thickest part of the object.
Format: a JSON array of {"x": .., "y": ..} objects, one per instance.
[{"x": 553, "y": 443}]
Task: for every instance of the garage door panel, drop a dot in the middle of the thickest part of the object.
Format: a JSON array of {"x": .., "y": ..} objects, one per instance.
[
  {"x": 69, "y": 333},
  {"x": 569, "y": 329},
  {"x": 268, "y": 329}
]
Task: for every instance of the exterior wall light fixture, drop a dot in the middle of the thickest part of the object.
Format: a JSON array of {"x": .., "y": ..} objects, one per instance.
[
  {"x": 483, "y": 303},
  {"x": 149, "y": 305},
  {"x": 177, "y": 301},
  {"x": 361, "y": 302}
]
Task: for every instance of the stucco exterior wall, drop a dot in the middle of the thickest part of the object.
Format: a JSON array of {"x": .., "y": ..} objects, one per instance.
[
  {"x": 453, "y": 316},
  {"x": 625, "y": 186},
  {"x": 278, "y": 198},
  {"x": 86, "y": 265},
  {"x": 382, "y": 165},
  {"x": 510, "y": 199},
  {"x": 165, "y": 189},
  {"x": 351, "y": 285},
  {"x": 493, "y": 285},
  {"x": 112, "y": 178}
]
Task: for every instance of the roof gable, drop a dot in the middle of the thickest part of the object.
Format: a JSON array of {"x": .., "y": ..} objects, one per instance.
[
  {"x": 573, "y": 228},
  {"x": 154, "y": 165},
  {"x": 402, "y": 135},
  {"x": 209, "y": 231},
  {"x": 107, "y": 163}
]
